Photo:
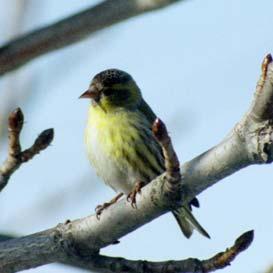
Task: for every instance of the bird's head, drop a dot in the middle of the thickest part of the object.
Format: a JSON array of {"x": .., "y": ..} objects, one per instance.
[{"x": 113, "y": 88}]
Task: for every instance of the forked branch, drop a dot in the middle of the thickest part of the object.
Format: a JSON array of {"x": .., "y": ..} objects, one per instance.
[
  {"x": 79, "y": 241},
  {"x": 15, "y": 154}
]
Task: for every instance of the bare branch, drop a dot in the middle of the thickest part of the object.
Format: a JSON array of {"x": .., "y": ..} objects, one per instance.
[
  {"x": 248, "y": 143},
  {"x": 72, "y": 29},
  {"x": 223, "y": 259},
  {"x": 15, "y": 156},
  {"x": 256, "y": 129},
  {"x": 107, "y": 264},
  {"x": 262, "y": 106},
  {"x": 173, "y": 175}
]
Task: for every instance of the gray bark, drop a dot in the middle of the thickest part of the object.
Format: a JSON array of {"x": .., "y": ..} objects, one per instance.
[{"x": 250, "y": 142}]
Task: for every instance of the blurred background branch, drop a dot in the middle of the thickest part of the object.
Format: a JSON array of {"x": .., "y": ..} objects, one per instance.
[
  {"x": 72, "y": 29},
  {"x": 11, "y": 99}
]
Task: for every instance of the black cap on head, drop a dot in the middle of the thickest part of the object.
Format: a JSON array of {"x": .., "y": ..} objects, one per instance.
[{"x": 112, "y": 76}]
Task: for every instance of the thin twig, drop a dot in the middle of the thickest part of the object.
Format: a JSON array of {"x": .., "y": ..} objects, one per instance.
[
  {"x": 15, "y": 155},
  {"x": 223, "y": 259},
  {"x": 107, "y": 264},
  {"x": 172, "y": 165}
]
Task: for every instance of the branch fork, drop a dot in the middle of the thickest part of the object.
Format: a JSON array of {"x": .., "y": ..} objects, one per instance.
[
  {"x": 15, "y": 154},
  {"x": 256, "y": 129},
  {"x": 249, "y": 143}
]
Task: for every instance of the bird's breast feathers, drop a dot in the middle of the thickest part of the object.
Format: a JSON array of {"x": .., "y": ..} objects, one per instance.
[{"x": 121, "y": 147}]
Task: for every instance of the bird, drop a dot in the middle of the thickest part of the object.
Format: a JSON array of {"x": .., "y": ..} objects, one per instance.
[{"x": 120, "y": 143}]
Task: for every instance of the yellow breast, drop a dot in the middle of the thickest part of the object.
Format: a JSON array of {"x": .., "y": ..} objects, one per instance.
[
  {"x": 109, "y": 138},
  {"x": 111, "y": 130},
  {"x": 122, "y": 148}
]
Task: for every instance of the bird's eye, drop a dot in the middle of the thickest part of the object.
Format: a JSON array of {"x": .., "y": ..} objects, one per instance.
[{"x": 108, "y": 92}]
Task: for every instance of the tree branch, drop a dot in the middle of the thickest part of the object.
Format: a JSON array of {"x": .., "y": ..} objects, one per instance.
[
  {"x": 106, "y": 264},
  {"x": 15, "y": 156},
  {"x": 72, "y": 29},
  {"x": 173, "y": 182},
  {"x": 223, "y": 259},
  {"x": 250, "y": 142}
]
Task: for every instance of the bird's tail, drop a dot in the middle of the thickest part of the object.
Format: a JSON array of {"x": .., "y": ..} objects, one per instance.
[{"x": 188, "y": 222}]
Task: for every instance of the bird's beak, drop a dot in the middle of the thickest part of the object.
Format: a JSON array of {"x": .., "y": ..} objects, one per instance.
[{"x": 91, "y": 93}]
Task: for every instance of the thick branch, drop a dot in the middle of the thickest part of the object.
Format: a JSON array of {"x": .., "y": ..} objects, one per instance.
[
  {"x": 15, "y": 156},
  {"x": 250, "y": 142},
  {"x": 72, "y": 29}
]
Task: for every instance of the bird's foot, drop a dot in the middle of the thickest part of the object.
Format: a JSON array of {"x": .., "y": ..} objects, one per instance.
[
  {"x": 100, "y": 208},
  {"x": 131, "y": 197}
]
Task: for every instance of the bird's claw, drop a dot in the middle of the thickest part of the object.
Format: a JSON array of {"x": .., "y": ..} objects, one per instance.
[
  {"x": 131, "y": 197},
  {"x": 100, "y": 208}
]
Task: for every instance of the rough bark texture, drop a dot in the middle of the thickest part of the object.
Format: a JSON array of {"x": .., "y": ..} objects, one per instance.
[
  {"x": 72, "y": 29},
  {"x": 250, "y": 142}
]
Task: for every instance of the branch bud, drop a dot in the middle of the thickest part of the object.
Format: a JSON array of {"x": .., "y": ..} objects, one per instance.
[
  {"x": 44, "y": 139},
  {"x": 16, "y": 120}
]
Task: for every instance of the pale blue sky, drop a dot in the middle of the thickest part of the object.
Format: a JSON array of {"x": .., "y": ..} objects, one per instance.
[{"x": 197, "y": 63}]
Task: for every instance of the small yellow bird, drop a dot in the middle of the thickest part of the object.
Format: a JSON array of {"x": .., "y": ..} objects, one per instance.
[{"x": 120, "y": 142}]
